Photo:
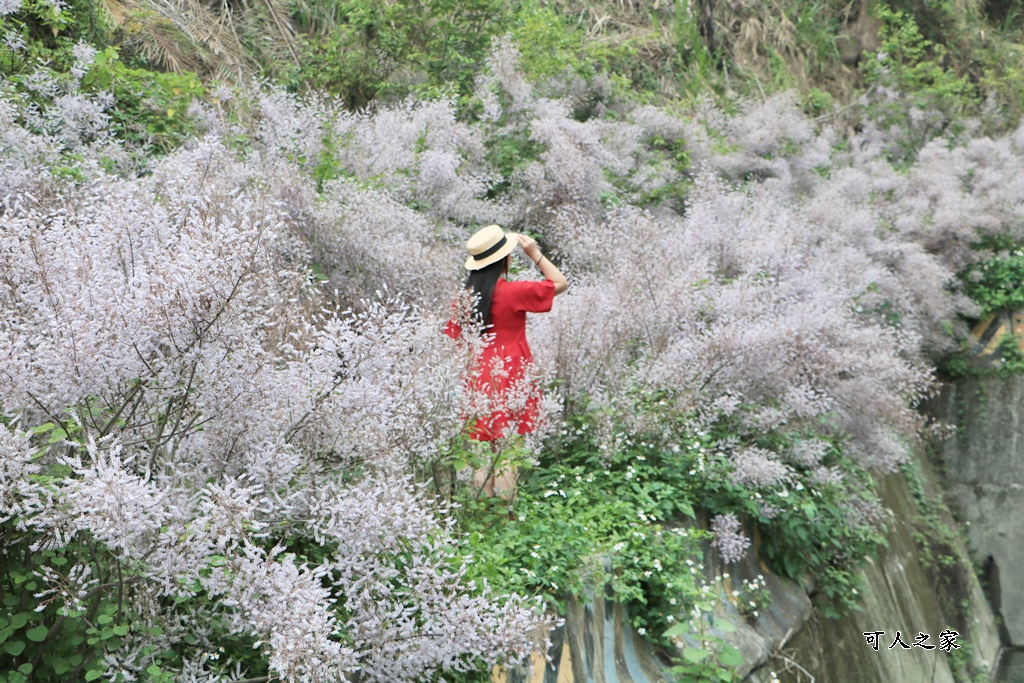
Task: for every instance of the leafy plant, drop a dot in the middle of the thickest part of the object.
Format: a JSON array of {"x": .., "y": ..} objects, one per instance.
[
  {"x": 361, "y": 50},
  {"x": 705, "y": 656},
  {"x": 151, "y": 107},
  {"x": 997, "y": 283},
  {"x": 916, "y": 67}
]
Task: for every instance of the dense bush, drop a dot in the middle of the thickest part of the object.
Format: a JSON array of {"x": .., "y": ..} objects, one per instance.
[
  {"x": 61, "y": 81},
  {"x": 224, "y": 437},
  {"x": 220, "y": 460},
  {"x": 362, "y": 50}
]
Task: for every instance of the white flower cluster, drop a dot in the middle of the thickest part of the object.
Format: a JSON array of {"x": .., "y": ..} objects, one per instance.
[
  {"x": 224, "y": 400},
  {"x": 729, "y": 539},
  {"x": 221, "y": 404}
]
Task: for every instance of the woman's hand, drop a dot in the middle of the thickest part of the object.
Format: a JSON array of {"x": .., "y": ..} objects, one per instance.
[
  {"x": 548, "y": 268},
  {"x": 529, "y": 246}
]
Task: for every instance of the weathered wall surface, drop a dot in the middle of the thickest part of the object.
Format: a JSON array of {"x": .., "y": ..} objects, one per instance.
[
  {"x": 596, "y": 645},
  {"x": 984, "y": 474},
  {"x": 899, "y": 595}
]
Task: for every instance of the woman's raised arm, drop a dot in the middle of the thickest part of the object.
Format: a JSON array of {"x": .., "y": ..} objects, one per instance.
[{"x": 548, "y": 268}]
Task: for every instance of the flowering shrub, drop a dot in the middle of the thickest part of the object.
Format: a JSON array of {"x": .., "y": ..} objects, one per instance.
[
  {"x": 228, "y": 457},
  {"x": 87, "y": 99},
  {"x": 231, "y": 433},
  {"x": 629, "y": 510},
  {"x": 730, "y": 542}
]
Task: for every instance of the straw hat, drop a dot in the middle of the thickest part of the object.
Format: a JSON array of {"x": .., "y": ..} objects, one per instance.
[{"x": 489, "y": 245}]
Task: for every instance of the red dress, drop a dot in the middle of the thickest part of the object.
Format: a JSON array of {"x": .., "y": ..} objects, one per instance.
[{"x": 503, "y": 360}]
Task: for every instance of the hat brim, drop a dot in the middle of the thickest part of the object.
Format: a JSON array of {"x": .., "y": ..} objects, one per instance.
[{"x": 510, "y": 245}]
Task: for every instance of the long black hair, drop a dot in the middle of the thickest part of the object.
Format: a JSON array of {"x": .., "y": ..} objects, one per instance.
[{"x": 482, "y": 282}]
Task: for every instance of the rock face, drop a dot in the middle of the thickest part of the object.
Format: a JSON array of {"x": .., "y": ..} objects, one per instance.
[
  {"x": 984, "y": 473},
  {"x": 902, "y": 591},
  {"x": 597, "y": 644},
  {"x": 899, "y": 595}
]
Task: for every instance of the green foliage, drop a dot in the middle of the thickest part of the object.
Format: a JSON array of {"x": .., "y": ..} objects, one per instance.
[
  {"x": 1011, "y": 355},
  {"x": 934, "y": 537},
  {"x": 817, "y": 102},
  {"x": 50, "y": 30},
  {"x": 677, "y": 156},
  {"x": 942, "y": 556},
  {"x": 49, "y": 639},
  {"x": 997, "y": 283},
  {"x": 916, "y": 66},
  {"x": 809, "y": 529},
  {"x": 362, "y": 49},
  {"x": 62, "y": 605},
  {"x": 610, "y": 505},
  {"x": 151, "y": 106},
  {"x": 583, "y": 522},
  {"x": 510, "y": 152},
  {"x": 706, "y": 657},
  {"x": 548, "y": 43}
]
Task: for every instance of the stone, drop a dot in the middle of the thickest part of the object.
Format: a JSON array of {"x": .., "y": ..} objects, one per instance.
[{"x": 984, "y": 473}]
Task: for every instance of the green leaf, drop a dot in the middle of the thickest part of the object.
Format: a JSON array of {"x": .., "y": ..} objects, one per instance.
[
  {"x": 694, "y": 654},
  {"x": 730, "y": 656},
  {"x": 37, "y": 634},
  {"x": 25, "y": 668},
  {"x": 121, "y": 630},
  {"x": 93, "y": 674},
  {"x": 154, "y": 670},
  {"x": 104, "y": 619},
  {"x": 59, "y": 665},
  {"x": 58, "y": 435},
  {"x": 14, "y": 647},
  {"x": 19, "y": 620},
  {"x": 677, "y": 630},
  {"x": 724, "y": 626}
]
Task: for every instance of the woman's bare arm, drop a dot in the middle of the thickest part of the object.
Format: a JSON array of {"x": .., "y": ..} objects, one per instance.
[{"x": 548, "y": 268}]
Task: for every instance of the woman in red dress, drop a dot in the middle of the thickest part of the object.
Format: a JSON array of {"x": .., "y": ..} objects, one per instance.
[{"x": 501, "y": 306}]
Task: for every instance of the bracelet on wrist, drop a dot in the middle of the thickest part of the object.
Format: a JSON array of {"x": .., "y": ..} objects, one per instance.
[{"x": 537, "y": 262}]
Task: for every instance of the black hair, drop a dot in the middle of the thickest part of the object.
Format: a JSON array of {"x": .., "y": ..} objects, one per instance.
[{"x": 482, "y": 283}]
